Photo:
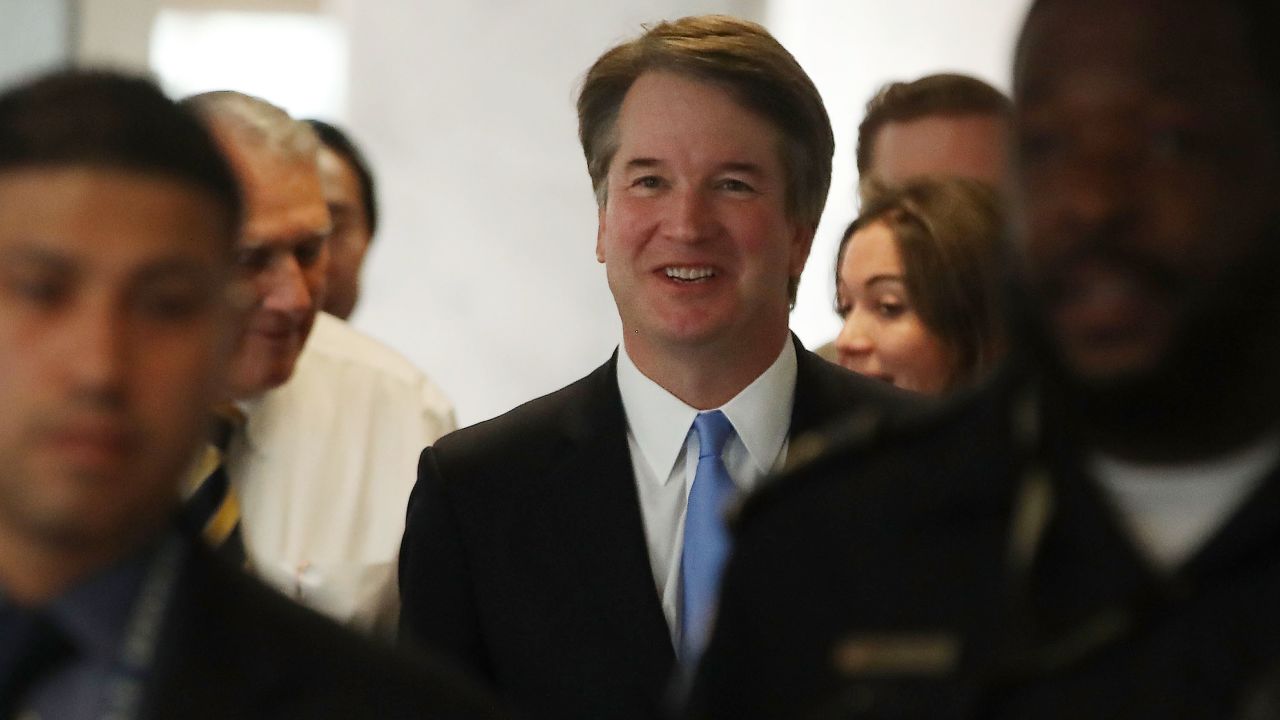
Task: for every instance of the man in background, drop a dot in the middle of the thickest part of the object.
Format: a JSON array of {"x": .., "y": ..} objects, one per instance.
[
  {"x": 118, "y": 219},
  {"x": 1095, "y": 535},
  {"x": 322, "y": 464},
  {"x": 349, "y": 190},
  {"x": 944, "y": 124}
]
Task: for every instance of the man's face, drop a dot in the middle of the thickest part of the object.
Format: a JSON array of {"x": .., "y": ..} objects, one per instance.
[
  {"x": 115, "y": 327},
  {"x": 350, "y": 237},
  {"x": 283, "y": 253},
  {"x": 1148, "y": 172},
  {"x": 694, "y": 235},
  {"x": 971, "y": 146}
]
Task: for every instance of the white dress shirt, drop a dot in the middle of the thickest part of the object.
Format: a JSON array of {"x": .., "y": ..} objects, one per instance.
[
  {"x": 664, "y": 455},
  {"x": 323, "y": 472}
]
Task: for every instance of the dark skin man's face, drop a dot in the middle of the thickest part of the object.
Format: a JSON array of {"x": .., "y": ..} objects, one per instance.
[{"x": 1148, "y": 182}]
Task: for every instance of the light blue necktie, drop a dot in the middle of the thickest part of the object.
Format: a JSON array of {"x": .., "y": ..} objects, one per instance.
[{"x": 706, "y": 539}]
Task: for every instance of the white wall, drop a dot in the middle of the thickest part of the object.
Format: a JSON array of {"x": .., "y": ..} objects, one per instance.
[{"x": 34, "y": 35}]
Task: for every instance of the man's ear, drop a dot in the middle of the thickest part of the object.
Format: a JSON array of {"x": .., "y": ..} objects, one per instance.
[
  {"x": 801, "y": 244},
  {"x": 600, "y": 237}
]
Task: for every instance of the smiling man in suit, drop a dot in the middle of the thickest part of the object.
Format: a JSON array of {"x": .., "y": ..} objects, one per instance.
[{"x": 569, "y": 550}]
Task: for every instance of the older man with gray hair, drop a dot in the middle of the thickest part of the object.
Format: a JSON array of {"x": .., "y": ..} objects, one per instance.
[{"x": 316, "y": 458}]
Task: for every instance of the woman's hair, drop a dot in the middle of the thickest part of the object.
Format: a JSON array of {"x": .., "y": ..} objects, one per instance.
[{"x": 950, "y": 234}]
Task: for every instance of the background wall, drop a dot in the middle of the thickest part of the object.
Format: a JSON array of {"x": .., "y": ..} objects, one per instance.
[
  {"x": 483, "y": 272},
  {"x": 34, "y": 34}
]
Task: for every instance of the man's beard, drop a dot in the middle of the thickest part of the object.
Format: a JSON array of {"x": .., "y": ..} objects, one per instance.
[{"x": 1215, "y": 387}]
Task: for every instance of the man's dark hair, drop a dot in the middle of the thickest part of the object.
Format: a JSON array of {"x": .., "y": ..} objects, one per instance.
[
  {"x": 1260, "y": 22},
  {"x": 338, "y": 141},
  {"x": 112, "y": 120},
  {"x": 945, "y": 94}
]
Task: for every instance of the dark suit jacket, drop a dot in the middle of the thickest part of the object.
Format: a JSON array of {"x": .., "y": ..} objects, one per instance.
[
  {"x": 524, "y": 554},
  {"x": 877, "y": 583},
  {"x": 232, "y": 648}
]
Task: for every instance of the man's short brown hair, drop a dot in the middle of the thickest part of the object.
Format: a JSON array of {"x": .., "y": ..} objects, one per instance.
[
  {"x": 945, "y": 94},
  {"x": 735, "y": 54}
]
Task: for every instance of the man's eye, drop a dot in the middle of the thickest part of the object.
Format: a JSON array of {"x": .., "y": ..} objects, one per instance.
[
  {"x": 38, "y": 290},
  {"x": 736, "y": 185},
  {"x": 1172, "y": 144},
  {"x": 253, "y": 259},
  {"x": 308, "y": 252},
  {"x": 170, "y": 306},
  {"x": 1033, "y": 146},
  {"x": 650, "y": 182}
]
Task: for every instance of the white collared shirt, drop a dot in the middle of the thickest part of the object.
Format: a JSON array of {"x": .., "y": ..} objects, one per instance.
[
  {"x": 323, "y": 472},
  {"x": 664, "y": 454}
]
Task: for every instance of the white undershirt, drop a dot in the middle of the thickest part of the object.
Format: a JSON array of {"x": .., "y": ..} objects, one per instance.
[
  {"x": 1173, "y": 510},
  {"x": 664, "y": 454}
]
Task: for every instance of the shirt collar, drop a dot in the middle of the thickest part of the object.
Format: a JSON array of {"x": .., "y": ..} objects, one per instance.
[
  {"x": 96, "y": 611},
  {"x": 660, "y": 421}
]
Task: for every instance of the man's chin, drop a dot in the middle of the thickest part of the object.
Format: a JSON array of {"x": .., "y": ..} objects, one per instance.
[{"x": 264, "y": 377}]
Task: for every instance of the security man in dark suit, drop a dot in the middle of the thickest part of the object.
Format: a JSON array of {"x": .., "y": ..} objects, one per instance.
[
  {"x": 118, "y": 218},
  {"x": 569, "y": 551},
  {"x": 1096, "y": 534}
]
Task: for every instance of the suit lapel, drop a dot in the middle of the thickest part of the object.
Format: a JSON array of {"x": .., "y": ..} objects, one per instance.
[
  {"x": 817, "y": 401},
  {"x": 598, "y": 569}
]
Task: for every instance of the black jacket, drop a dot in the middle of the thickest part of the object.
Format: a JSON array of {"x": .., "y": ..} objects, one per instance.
[
  {"x": 884, "y": 581},
  {"x": 524, "y": 554}
]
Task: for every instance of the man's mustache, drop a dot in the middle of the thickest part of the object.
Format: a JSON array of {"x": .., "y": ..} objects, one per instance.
[{"x": 1054, "y": 277}]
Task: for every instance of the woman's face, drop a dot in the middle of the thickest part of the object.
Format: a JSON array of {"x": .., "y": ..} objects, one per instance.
[{"x": 883, "y": 336}]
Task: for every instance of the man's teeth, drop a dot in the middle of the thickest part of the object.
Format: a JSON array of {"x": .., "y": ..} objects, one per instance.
[{"x": 690, "y": 273}]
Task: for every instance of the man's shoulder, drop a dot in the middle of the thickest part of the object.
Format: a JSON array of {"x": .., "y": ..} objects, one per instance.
[
  {"x": 289, "y": 661},
  {"x": 336, "y": 345},
  {"x": 910, "y": 460},
  {"x": 835, "y": 390},
  {"x": 342, "y": 371},
  {"x": 539, "y": 424}
]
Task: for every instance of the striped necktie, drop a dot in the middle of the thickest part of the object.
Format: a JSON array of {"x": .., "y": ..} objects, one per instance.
[
  {"x": 706, "y": 539},
  {"x": 212, "y": 509}
]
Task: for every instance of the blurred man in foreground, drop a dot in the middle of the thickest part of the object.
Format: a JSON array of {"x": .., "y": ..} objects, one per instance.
[
  {"x": 117, "y": 223},
  {"x": 1095, "y": 536}
]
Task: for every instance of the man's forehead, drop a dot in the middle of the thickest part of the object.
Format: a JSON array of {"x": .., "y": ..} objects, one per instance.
[
  {"x": 1166, "y": 45},
  {"x": 646, "y": 130},
  {"x": 967, "y": 145}
]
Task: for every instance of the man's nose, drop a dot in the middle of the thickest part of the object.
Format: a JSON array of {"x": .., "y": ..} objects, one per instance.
[
  {"x": 689, "y": 216},
  {"x": 286, "y": 288},
  {"x": 99, "y": 356},
  {"x": 1097, "y": 185}
]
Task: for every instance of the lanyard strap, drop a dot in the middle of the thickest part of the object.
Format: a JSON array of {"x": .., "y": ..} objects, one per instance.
[{"x": 136, "y": 661}]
